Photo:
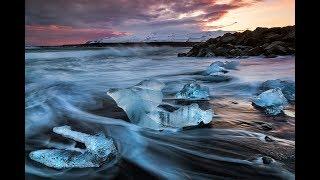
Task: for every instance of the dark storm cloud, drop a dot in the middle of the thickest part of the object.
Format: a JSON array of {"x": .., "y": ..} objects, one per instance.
[
  {"x": 116, "y": 16},
  {"x": 85, "y": 13}
]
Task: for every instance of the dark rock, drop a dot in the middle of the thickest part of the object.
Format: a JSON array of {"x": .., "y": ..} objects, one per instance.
[
  {"x": 182, "y": 54},
  {"x": 235, "y": 52},
  {"x": 272, "y": 37},
  {"x": 205, "y": 52},
  {"x": 228, "y": 38},
  {"x": 266, "y": 127},
  {"x": 256, "y": 51},
  {"x": 266, "y": 160},
  {"x": 234, "y": 102},
  {"x": 199, "y": 126},
  {"x": 270, "y": 55},
  {"x": 290, "y": 37},
  {"x": 221, "y": 51},
  {"x": 268, "y": 139},
  {"x": 267, "y": 41},
  {"x": 243, "y": 47},
  {"x": 276, "y": 47}
]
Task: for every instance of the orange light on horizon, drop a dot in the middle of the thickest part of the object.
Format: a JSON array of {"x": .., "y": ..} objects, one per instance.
[{"x": 268, "y": 13}]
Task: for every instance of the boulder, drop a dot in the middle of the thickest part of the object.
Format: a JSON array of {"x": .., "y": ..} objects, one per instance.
[
  {"x": 227, "y": 38},
  {"x": 267, "y": 160},
  {"x": 182, "y": 54},
  {"x": 256, "y": 51},
  {"x": 221, "y": 51},
  {"x": 276, "y": 47},
  {"x": 267, "y": 41}
]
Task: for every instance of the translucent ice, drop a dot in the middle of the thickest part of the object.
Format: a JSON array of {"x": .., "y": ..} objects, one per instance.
[
  {"x": 190, "y": 115},
  {"x": 216, "y": 67},
  {"x": 99, "y": 149},
  {"x": 287, "y": 88},
  {"x": 139, "y": 100},
  {"x": 231, "y": 64},
  {"x": 193, "y": 91},
  {"x": 141, "y": 104},
  {"x": 220, "y": 67},
  {"x": 272, "y": 101}
]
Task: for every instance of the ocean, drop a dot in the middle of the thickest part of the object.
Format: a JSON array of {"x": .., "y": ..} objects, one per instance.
[{"x": 68, "y": 86}]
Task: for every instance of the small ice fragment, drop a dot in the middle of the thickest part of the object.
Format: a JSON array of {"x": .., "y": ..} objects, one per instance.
[
  {"x": 193, "y": 91},
  {"x": 287, "y": 88},
  {"x": 216, "y": 67},
  {"x": 231, "y": 64},
  {"x": 289, "y": 113},
  {"x": 190, "y": 115},
  {"x": 150, "y": 84},
  {"x": 272, "y": 101},
  {"x": 99, "y": 149},
  {"x": 220, "y": 67},
  {"x": 217, "y": 77}
]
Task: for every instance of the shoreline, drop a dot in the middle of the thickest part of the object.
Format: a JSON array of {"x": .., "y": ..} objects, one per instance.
[{"x": 125, "y": 44}]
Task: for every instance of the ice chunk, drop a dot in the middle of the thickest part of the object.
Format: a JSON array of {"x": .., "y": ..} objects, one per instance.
[
  {"x": 150, "y": 84},
  {"x": 287, "y": 88},
  {"x": 231, "y": 64},
  {"x": 215, "y": 77},
  {"x": 142, "y": 105},
  {"x": 139, "y": 100},
  {"x": 220, "y": 67},
  {"x": 99, "y": 149},
  {"x": 193, "y": 91},
  {"x": 216, "y": 67},
  {"x": 272, "y": 101},
  {"x": 190, "y": 115}
]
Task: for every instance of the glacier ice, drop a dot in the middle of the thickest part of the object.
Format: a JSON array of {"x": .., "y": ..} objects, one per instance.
[
  {"x": 216, "y": 67},
  {"x": 287, "y": 88},
  {"x": 190, "y": 115},
  {"x": 193, "y": 91},
  {"x": 231, "y": 64},
  {"x": 215, "y": 77},
  {"x": 272, "y": 101},
  {"x": 99, "y": 149},
  {"x": 139, "y": 100},
  {"x": 141, "y": 104},
  {"x": 221, "y": 67}
]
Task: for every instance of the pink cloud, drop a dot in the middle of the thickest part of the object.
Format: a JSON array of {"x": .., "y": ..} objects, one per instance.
[{"x": 59, "y": 35}]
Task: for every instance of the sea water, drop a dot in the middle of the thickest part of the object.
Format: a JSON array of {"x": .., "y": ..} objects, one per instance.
[{"x": 68, "y": 86}]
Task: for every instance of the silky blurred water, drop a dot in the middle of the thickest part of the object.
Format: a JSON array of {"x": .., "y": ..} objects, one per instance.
[{"x": 67, "y": 87}]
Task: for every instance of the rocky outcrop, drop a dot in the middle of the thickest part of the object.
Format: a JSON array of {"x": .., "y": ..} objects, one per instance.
[{"x": 269, "y": 42}]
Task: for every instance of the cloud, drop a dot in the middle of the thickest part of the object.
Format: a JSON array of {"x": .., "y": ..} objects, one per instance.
[
  {"x": 92, "y": 18},
  {"x": 59, "y": 35}
]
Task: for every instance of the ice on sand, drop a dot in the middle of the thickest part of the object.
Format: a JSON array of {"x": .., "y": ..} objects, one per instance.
[
  {"x": 99, "y": 149},
  {"x": 272, "y": 101},
  {"x": 141, "y": 102},
  {"x": 221, "y": 67},
  {"x": 216, "y": 67},
  {"x": 287, "y": 88},
  {"x": 193, "y": 91}
]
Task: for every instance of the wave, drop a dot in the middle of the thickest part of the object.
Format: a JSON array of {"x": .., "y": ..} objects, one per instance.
[
  {"x": 68, "y": 87},
  {"x": 137, "y": 51},
  {"x": 221, "y": 151}
]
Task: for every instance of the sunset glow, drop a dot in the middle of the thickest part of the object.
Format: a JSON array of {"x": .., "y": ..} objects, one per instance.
[{"x": 60, "y": 22}]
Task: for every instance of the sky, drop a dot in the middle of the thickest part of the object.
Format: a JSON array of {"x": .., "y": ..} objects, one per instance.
[{"x": 57, "y": 22}]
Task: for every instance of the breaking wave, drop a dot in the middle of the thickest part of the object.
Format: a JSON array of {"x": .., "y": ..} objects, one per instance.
[{"x": 68, "y": 87}]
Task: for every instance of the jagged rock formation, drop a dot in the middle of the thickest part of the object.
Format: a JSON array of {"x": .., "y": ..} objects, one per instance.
[{"x": 262, "y": 41}]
